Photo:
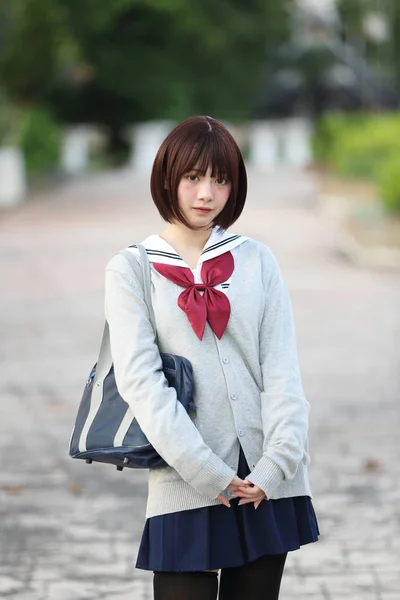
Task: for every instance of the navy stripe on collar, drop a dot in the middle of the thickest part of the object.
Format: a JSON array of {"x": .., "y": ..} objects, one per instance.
[
  {"x": 218, "y": 244},
  {"x": 162, "y": 253}
]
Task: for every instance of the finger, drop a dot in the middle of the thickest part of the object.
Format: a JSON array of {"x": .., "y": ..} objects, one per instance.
[
  {"x": 241, "y": 488},
  {"x": 237, "y": 480},
  {"x": 257, "y": 504},
  {"x": 242, "y": 495},
  {"x": 250, "y": 493},
  {"x": 233, "y": 486},
  {"x": 223, "y": 500},
  {"x": 235, "y": 483},
  {"x": 250, "y": 486},
  {"x": 238, "y": 494},
  {"x": 246, "y": 501},
  {"x": 225, "y": 503}
]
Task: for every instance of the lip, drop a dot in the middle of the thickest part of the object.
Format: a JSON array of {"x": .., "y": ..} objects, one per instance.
[{"x": 203, "y": 210}]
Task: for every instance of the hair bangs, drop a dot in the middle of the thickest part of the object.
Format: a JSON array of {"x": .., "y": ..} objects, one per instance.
[{"x": 205, "y": 152}]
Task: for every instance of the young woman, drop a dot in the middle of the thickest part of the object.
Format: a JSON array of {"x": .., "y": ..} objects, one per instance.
[{"x": 235, "y": 495}]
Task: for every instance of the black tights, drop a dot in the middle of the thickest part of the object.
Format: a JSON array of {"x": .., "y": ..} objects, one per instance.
[
  {"x": 258, "y": 580},
  {"x": 185, "y": 586}
]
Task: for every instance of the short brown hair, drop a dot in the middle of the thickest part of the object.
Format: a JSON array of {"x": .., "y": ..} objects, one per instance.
[{"x": 198, "y": 142}]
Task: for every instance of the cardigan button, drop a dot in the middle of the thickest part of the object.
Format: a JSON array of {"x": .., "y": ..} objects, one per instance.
[
  {"x": 234, "y": 396},
  {"x": 225, "y": 360},
  {"x": 240, "y": 432}
]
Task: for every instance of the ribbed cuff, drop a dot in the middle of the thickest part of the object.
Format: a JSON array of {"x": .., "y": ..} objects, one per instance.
[
  {"x": 266, "y": 475},
  {"x": 213, "y": 477}
]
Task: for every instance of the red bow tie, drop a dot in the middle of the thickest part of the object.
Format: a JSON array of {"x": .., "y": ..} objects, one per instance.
[{"x": 213, "y": 306}]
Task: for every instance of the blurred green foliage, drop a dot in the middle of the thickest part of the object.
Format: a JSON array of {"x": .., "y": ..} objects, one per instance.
[
  {"x": 388, "y": 181},
  {"x": 8, "y": 120},
  {"x": 126, "y": 61},
  {"x": 120, "y": 62},
  {"x": 362, "y": 145},
  {"x": 29, "y": 41},
  {"x": 354, "y": 144},
  {"x": 40, "y": 141},
  {"x": 328, "y": 131}
]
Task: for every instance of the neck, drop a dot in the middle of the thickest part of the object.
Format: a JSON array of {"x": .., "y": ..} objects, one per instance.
[{"x": 183, "y": 236}]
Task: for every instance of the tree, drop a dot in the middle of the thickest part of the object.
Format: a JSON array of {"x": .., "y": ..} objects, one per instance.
[
  {"x": 131, "y": 60},
  {"x": 168, "y": 59},
  {"x": 29, "y": 48}
]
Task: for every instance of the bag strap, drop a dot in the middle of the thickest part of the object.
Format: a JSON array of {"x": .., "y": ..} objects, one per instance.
[
  {"x": 104, "y": 362},
  {"x": 146, "y": 271},
  {"x": 145, "y": 267}
]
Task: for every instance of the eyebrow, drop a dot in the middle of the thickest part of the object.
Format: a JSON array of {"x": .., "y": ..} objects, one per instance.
[
  {"x": 223, "y": 174},
  {"x": 196, "y": 170}
]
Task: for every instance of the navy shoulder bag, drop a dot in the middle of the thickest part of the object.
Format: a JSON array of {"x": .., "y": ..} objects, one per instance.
[{"x": 105, "y": 427}]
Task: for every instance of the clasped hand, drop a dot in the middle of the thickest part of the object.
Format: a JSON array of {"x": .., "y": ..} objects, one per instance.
[{"x": 245, "y": 490}]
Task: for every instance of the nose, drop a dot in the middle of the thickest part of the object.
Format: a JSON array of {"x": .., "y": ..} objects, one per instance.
[{"x": 205, "y": 191}]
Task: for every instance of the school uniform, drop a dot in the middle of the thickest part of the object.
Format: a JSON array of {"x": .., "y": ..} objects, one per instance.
[{"x": 232, "y": 318}]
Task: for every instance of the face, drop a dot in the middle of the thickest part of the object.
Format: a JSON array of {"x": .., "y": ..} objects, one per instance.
[{"x": 201, "y": 198}]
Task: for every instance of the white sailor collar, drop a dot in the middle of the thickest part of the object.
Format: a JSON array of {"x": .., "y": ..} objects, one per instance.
[{"x": 219, "y": 242}]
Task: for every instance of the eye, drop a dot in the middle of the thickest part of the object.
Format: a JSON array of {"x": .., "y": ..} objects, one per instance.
[
  {"x": 192, "y": 177},
  {"x": 221, "y": 181}
]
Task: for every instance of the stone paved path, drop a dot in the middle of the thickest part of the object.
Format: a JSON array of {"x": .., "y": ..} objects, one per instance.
[{"x": 69, "y": 531}]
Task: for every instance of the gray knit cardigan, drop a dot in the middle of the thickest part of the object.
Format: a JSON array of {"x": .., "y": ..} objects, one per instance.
[{"x": 248, "y": 387}]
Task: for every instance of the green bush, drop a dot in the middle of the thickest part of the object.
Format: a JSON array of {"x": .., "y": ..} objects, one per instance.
[
  {"x": 388, "y": 180},
  {"x": 356, "y": 144},
  {"x": 329, "y": 131},
  {"x": 40, "y": 141},
  {"x": 359, "y": 151}
]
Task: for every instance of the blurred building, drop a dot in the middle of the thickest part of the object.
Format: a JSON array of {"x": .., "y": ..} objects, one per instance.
[{"x": 318, "y": 69}]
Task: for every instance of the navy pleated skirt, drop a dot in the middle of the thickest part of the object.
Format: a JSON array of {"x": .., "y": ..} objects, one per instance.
[{"x": 217, "y": 537}]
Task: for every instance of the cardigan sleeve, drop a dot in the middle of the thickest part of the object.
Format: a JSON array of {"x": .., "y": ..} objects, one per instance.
[
  {"x": 142, "y": 384},
  {"x": 284, "y": 409}
]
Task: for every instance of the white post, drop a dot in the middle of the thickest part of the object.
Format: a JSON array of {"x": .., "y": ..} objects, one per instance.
[
  {"x": 146, "y": 139},
  {"x": 264, "y": 145},
  {"x": 240, "y": 133},
  {"x": 296, "y": 138},
  {"x": 12, "y": 176},
  {"x": 75, "y": 150}
]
